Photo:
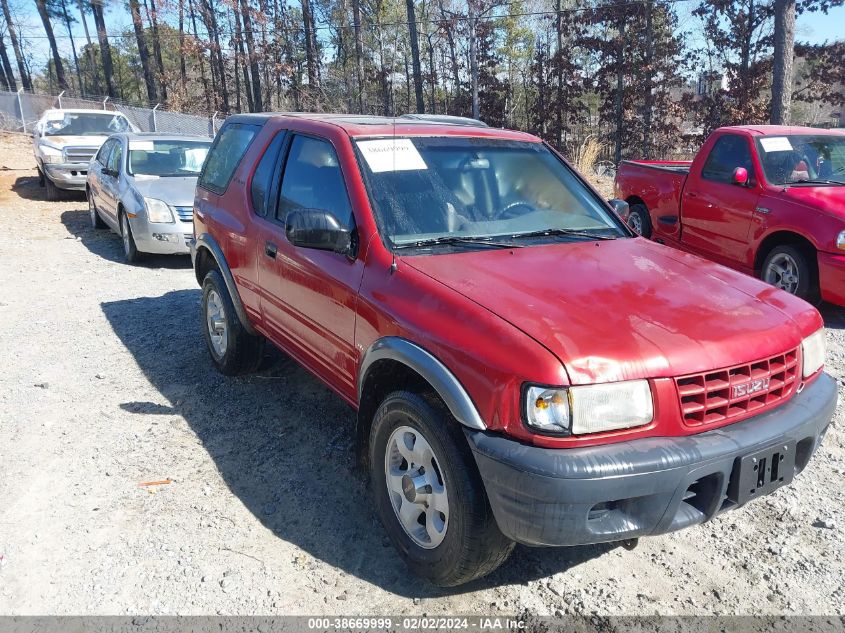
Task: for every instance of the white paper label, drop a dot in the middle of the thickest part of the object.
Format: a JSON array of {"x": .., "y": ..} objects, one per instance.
[
  {"x": 142, "y": 146},
  {"x": 393, "y": 154},
  {"x": 776, "y": 144}
]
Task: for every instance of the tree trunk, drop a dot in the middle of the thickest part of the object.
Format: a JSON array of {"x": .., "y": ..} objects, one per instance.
[
  {"x": 432, "y": 76},
  {"x": 66, "y": 17},
  {"x": 620, "y": 79},
  {"x": 783, "y": 56},
  {"x": 95, "y": 75},
  {"x": 143, "y": 51},
  {"x": 415, "y": 55},
  {"x": 359, "y": 56},
  {"x": 193, "y": 17},
  {"x": 7, "y": 76},
  {"x": 648, "y": 69},
  {"x": 26, "y": 82},
  {"x": 473, "y": 60},
  {"x": 51, "y": 38},
  {"x": 310, "y": 47},
  {"x": 162, "y": 78},
  {"x": 210, "y": 19},
  {"x": 559, "y": 74},
  {"x": 254, "y": 70},
  {"x": 240, "y": 62},
  {"x": 105, "y": 49},
  {"x": 183, "y": 71}
]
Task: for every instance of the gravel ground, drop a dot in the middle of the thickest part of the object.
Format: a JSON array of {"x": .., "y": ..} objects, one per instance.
[{"x": 105, "y": 384}]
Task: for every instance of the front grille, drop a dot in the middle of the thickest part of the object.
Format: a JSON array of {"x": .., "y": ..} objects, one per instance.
[
  {"x": 79, "y": 154},
  {"x": 186, "y": 214},
  {"x": 737, "y": 392}
]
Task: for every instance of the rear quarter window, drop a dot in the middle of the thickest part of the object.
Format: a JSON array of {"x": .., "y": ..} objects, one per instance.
[{"x": 226, "y": 153}]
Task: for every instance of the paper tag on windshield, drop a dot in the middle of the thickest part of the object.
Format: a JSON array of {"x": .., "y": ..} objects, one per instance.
[
  {"x": 776, "y": 144},
  {"x": 55, "y": 116},
  {"x": 141, "y": 146},
  {"x": 393, "y": 154}
]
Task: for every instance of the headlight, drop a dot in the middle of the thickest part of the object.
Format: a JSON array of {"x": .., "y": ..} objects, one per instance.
[
  {"x": 812, "y": 353},
  {"x": 840, "y": 241},
  {"x": 589, "y": 409},
  {"x": 50, "y": 154},
  {"x": 158, "y": 211}
]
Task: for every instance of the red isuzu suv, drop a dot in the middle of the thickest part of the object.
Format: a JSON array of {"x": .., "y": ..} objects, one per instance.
[{"x": 524, "y": 367}]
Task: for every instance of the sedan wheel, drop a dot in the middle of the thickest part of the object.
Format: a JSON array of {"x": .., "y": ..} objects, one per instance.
[{"x": 416, "y": 487}]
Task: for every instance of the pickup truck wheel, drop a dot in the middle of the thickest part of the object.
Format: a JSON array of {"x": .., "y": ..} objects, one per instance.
[
  {"x": 96, "y": 220},
  {"x": 788, "y": 267},
  {"x": 639, "y": 220},
  {"x": 233, "y": 350},
  {"x": 428, "y": 493},
  {"x": 54, "y": 194}
]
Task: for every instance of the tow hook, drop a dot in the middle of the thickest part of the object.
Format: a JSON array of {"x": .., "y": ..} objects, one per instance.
[{"x": 630, "y": 543}]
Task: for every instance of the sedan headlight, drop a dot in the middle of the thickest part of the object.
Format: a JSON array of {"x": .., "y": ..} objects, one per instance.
[
  {"x": 812, "y": 353},
  {"x": 840, "y": 241},
  {"x": 50, "y": 154},
  {"x": 158, "y": 211},
  {"x": 589, "y": 409}
]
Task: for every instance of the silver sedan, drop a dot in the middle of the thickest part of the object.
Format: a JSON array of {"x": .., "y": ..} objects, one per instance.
[{"x": 142, "y": 187}]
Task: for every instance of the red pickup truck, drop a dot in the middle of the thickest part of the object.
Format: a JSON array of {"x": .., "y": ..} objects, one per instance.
[
  {"x": 524, "y": 368},
  {"x": 766, "y": 200}
]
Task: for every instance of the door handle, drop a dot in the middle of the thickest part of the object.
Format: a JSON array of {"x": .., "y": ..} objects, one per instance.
[{"x": 270, "y": 249}]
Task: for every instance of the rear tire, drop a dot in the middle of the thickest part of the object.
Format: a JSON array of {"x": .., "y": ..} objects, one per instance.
[
  {"x": 639, "y": 220},
  {"x": 233, "y": 350},
  {"x": 96, "y": 220},
  {"x": 793, "y": 269},
  {"x": 446, "y": 548}
]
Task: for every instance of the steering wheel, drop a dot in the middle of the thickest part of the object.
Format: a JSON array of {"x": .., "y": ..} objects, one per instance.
[{"x": 515, "y": 209}]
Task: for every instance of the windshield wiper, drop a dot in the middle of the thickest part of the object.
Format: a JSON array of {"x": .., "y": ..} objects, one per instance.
[
  {"x": 566, "y": 232},
  {"x": 455, "y": 239},
  {"x": 817, "y": 181}
]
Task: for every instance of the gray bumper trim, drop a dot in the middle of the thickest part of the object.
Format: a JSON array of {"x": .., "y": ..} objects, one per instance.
[{"x": 625, "y": 490}]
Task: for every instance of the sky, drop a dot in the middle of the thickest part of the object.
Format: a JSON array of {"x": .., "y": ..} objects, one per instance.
[{"x": 814, "y": 28}]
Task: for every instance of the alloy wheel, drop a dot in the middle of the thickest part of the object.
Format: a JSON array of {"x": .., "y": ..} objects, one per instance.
[
  {"x": 216, "y": 321},
  {"x": 636, "y": 223},
  {"x": 782, "y": 272},
  {"x": 416, "y": 487}
]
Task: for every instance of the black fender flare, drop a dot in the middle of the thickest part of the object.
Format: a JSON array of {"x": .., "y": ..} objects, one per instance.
[
  {"x": 444, "y": 382},
  {"x": 207, "y": 242}
]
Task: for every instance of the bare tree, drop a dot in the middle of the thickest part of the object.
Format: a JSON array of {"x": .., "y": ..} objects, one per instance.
[
  {"x": 26, "y": 82},
  {"x": 143, "y": 51},
  {"x": 58, "y": 66},
  {"x": 415, "y": 55},
  {"x": 105, "y": 49},
  {"x": 784, "y": 52}
]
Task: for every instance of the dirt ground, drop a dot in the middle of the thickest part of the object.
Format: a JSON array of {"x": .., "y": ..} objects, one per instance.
[{"x": 105, "y": 384}]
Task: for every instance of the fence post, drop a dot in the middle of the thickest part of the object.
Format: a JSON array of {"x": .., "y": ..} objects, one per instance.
[
  {"x": 104, "y": 102},
  {"x": 214, "y": 123},
  {"x": 60, "y": 99},
  {"x": 20, "y": 107},
  {"x": 155, "y": 127}
]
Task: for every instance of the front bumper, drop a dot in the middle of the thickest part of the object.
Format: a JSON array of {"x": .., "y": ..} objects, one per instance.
[
  {"x": 650, "y": 486},
  {"x": 832, "y": 277},
  {"x": 162, "y": 239},
  {"x": 70, "y": 176}
]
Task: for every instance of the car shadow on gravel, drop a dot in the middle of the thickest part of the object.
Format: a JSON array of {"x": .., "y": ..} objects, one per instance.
[
  {"x": 28, "y": 188},
  {"x": 283, "y": 443},
  {"x": 107, "y": 244}
]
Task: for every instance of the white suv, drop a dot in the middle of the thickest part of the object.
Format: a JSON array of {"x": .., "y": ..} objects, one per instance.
[{"x": 65, "y": 142}]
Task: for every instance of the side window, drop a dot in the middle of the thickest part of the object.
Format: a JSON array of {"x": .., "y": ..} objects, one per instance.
[
  {"x": 226, "y": 152},
  {"x": 105, "y": 150},
  {"x": 116, "y": 156},
  {"x": 313, "y": 180},
  {"x": 262, "y": 179},
  {"x": 729, "y": 152}
]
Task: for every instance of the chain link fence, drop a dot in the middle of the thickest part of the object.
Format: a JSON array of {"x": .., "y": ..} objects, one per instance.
[{"x": 19, "y": 111}]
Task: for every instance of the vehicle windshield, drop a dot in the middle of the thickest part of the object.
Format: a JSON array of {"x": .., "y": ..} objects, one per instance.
[
  {"x": 805, "y": 158},
  {"x": 456, "y": 189},
  {"x": 167, "y": 158},
  {"x": 85, "y": 124}
]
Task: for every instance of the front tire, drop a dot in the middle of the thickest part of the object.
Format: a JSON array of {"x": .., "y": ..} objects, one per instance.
[
  {"x": 130, "y": 250},
  {"x": 428, "y": 493},
  {"x": 639, "y": 220},
  {"x": 791, "y": 268},
  {"x": 233, "y": 350},
  {"x": 54, "y": 194}
]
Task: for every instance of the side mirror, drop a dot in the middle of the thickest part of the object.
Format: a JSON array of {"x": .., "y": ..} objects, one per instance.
[
  {"x": 740, "y": 176},
  {"x": 621, "y": 207},
  {"x": 318, "y": 229}
]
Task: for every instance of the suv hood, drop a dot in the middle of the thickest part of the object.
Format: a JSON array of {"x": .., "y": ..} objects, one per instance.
[
  {"x": 628, "y": 308},
  {"x": 60, "y": 142}
]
